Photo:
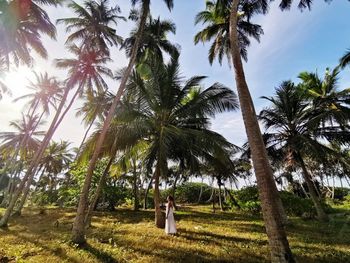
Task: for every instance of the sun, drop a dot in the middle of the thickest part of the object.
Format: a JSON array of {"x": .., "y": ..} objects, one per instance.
[{"x": 17, "y": 80}]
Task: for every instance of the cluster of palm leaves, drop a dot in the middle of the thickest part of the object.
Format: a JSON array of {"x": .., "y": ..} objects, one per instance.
[{"x": 303, "y": 123}]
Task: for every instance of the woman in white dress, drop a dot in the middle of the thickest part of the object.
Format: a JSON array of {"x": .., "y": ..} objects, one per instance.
[{"x": 170, "y": 227}]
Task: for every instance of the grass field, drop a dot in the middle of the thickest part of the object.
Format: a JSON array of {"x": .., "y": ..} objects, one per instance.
[{"x": 127, "y": 236}]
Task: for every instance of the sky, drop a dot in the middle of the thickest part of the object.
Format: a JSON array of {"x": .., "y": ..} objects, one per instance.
[{"x": 293, "y": 42}]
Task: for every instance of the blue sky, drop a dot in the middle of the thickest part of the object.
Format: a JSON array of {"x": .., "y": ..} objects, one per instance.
[{"x": 294, "y": 41}]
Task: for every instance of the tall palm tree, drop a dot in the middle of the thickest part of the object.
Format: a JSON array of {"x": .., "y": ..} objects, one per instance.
[
  {"x": 78, "y": 230},
  {"x": 56, "y": 159},
  {"x": 94, "y": 108},
  {"x": 217, "y": 30},
  {"x": 154, "y": 40},
  {"x": 21, "y": 26},
  {"x": 86, "y": 71},
  {"x": 19, "y": 146},
  {"x": 331, "y": 105},
  {"x": 174, "y": 117},
  {"x": 93, "y": 23},
  {"x": 295, "y": 135},
  {"x": 47, "y": 92}
]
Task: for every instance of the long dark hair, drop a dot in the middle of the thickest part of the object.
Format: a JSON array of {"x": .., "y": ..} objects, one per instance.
[{"x": 170, "y": 198}]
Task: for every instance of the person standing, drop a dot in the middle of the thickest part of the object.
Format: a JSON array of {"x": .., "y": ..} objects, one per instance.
[{"x": 170, "y": 226}]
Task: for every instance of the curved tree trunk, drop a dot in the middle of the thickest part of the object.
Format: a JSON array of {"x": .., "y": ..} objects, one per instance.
[
  {"x": 97, "y": 194},
  {"x": 78, "y": 230},
  {"x": 57, "y": 123},
  {"x": 158, "y": 217},
  {"x": 319, "y": 209},
  {"x": 233, "y": 200},
  {"x": 220, "y": 197},
  {"x": 34, "y": 163},
  {"x": 146, "y": 193},
  {"x": 135, "y": 187},
  {"x": 278, "y": 243},
  {"x": 84, "y": 138}
]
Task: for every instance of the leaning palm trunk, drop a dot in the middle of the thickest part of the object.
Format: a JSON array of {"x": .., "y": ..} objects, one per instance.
[
  {"x": 34, "y": 163},
  {"x": 278, "y": 243},
  {"x": 318, "y": 206},
  {"x": 57, "y": 124},
  {"x": 135, "y": 187},
  {"x": 159, "y": 220},
  {"x": 78, "y": 231},
  {"x": 97, "y": 194},
  {"x": 146, "y": 192}
]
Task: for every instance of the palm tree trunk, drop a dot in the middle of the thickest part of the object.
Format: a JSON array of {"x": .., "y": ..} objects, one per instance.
[
  {"x": 278, "y": 243},
  {"x": 146, "y": 192},
  {"x": 78, "y": 230},
  {"x": 34, "y": 163},
  {"x": 57, "y": 123},
  {"x": 173, "y": 190},
  {"x": 220, "y": 197},
  {"x": 135, "y": 188},
  {"x": 83, "y": 141},
  {"x": 319, "y": 209},
  {"x": 158, "y": 213},
  {"x": 97, "y": 194},
  {"x": 233, "y": 200}
]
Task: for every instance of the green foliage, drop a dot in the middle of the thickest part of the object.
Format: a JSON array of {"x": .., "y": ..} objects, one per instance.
[
  {"x": 189, "y": 192},
  {"x": 248, "y": 199}
]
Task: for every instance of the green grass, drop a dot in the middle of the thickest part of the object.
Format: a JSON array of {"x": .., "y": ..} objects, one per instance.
[{"x": 127, "y": 236}]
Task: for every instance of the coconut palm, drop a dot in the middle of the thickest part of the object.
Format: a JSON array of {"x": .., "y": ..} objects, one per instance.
[
  {"x": 271, "y": 203},
  {"x": 78, "y": 230},
  {"x": 173, "y": 116},
  {"x": 21, "y": 26},
  {"x": 217, "y": 31},
  {"x": 293, "y": 132},
  {"x": 94, "y": 108},
  {"x": 330, "y": 105},
  {"x": 56, "y": 159},
  {"x": 47, "y": 92},
  {"x": 86, "y": 71},
  {"x": 19, "y": 146},
  {"x": 93, "y": 24},
  {"x": 154, "y": 40}
]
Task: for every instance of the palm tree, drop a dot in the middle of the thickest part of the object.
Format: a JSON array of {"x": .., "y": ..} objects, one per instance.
[
  {"x": 78, "y": 230},
  {"x": 56, "y": 159},
  {"x": 93, "y": 23},
  {"x": 296, "y": 135},
  {"x": 345, "y": 59},
  {"x": 21, "y": 26},
  {"x": 218, "y": 30},
  {"x": 94, "y": 108},
  {"x": 19, "y": 146},
  {"x": 87, "y": 70},
  {"x": 330, "y": 105},
  {"x": 174, "y": 117},
  {"x": 154, "y": 40},
  {"x": 47, "y": 92},
  {"x": 271, "y": 203}
]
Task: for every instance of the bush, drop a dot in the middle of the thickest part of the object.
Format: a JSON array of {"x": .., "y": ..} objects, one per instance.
[
  {"x": 189, "y": 192},
  {"x": 248, "y": 199}
]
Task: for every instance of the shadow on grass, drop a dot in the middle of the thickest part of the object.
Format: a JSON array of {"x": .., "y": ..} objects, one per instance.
[{"x": 102, "y": 256}]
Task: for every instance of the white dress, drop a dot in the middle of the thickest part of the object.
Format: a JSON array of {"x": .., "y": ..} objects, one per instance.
[{"x": 170, "y": 227}]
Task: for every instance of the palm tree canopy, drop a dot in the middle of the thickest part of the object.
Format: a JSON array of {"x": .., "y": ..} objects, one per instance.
[
  {"x": 291, "y": 129},
  {"x": 21, "y": 26},
  {"x": 87, "y": 68},
  {"x": 47, "y": 91},
  {"x": 216, "y": 19},
  {"x": 169, "y": 3},
  {"x": 154, "y": 40},
  {"x": 93, "y": 24},
  {"x": 25, "y": 138},
  {"x": 330, "y": 105}
]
